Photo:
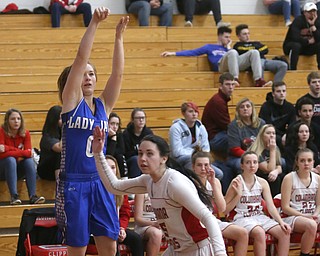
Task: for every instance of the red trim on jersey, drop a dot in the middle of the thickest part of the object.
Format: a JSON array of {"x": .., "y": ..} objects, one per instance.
[{"x": 197, "y": 231}]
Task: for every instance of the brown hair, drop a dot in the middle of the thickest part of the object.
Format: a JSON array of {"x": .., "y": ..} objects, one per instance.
[
  {"x": 62, "y": 80},
  {"x": 313, "y": 75},
  {"x": 6, "y": 126}
]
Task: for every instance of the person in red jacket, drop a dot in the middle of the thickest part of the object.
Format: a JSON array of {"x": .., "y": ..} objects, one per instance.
[
  {"x": 59, "y": 7},
  {"x": 16, "y": 157}
]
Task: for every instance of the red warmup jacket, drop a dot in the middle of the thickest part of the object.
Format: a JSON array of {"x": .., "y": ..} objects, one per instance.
[
  {"x": 124, "y": 213},
  {"x": 16, "y": 147},
  {"x": 66, "y": 2}
]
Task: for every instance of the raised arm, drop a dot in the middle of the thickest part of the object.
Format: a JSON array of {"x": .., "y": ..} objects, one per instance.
[
  {"x": 111, "y": 91},
  {"x": 271, "y": 167},
  {"x": 108, "y": 178},
  {"x": 72, "y": 92},
  {"x": 233, "y": 194},
  {"x": 216, "y": 190}
]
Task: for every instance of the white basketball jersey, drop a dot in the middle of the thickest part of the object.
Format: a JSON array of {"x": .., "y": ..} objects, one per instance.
[
  {"x": 303, "y": 199},
  {"x": 250, "y": 201},
  {"x": 181, "y": 228},
  {"x": 147, "y": 211}
]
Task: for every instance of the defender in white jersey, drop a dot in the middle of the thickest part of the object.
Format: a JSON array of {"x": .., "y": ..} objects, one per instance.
[
  {"x": 188, "y": 224},
  {"x": 83, "y": 205},
  {"x": 244, "y": 195},
  {"x": 300, "y": 199},
  {"x": 202, "y": 167}
]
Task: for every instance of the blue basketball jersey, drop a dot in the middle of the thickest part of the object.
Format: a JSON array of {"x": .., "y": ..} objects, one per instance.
[
  {"x": 79, "y": 185},
  {"x": 77, "y": 136}
]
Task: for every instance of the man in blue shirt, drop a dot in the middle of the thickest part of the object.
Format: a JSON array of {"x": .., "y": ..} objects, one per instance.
[{"x": 224, "y": 59}]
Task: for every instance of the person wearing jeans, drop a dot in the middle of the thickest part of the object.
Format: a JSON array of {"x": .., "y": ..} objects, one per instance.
[
  {"x": 224, "y": 59},
  {"x": 16, "y": 157},
  {"x": 277, "y": 67},
  {"x": 191, "y": 7},
  {"x": 145, "y": 8},
  {"x": 60, "y": 7},
  {"x": 285, "y": 7},
  {"x": 11, "y": 171}
]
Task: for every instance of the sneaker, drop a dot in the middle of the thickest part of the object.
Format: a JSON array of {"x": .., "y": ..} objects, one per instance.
[
  {"x": 37, "y": 200},
  {"x": 288, "y": 23},
  {"x": 262, "y": 83},
  {"x": 188, "y": 24},
  {"x": 15, "y": 200},
  {"x": 223, "y": 24}
]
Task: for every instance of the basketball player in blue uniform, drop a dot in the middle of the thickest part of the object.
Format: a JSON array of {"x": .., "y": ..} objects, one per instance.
[{"x": 83, "y": 205}]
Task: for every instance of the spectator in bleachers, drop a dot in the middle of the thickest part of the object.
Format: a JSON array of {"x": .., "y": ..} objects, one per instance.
[
  {"x": 278, "y": 112},
  {"x": 313, "y": 80},
  {"x": 271, "y": 163},
  {"x": 132, "y": 135},
  {"x": 216, "y": 116},
  {"x": 145, "y": 8},
  {"x": 126, "y": 235},
  {"x": 224, "y": 59},
  {"x": 242, "y": 132},
  {"x": 303, "y": 2},
  {"x": 202, "y": 167},
  {"x": 285, "y": 7},
  {"x": 115, "y": 143},
  {"x": 187, "y": 133},
  {"x": 196, "y": 7},
  {"x": 300, "y": 137},
  {"x": 277, "y": 67},
  {"x": 16, "y": 157},
  {"x": 305, "y": 110},
  {"x": 146, "y": 224},
  {"x": 303, "y": 36},
  {"x": 50, "y": 145},
  {"x": 60, "y": 7}
]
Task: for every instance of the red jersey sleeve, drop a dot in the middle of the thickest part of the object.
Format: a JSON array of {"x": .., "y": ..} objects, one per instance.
[{"x": 124, "y": 213}]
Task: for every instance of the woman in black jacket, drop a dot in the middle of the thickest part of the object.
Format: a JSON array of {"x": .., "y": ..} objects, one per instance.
[
  {"x": 115, "y": 143},
  {"x": 50, "y": 145},
  {"x": 132, "y": 135},
  {"x": 300, "y": 137}
]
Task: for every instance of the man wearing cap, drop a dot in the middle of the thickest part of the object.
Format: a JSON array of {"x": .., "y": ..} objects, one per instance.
[{"x": 303, "y": 36}]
